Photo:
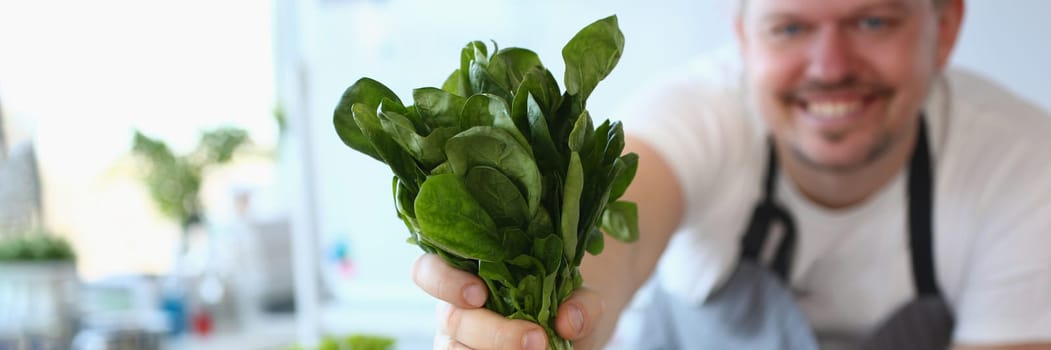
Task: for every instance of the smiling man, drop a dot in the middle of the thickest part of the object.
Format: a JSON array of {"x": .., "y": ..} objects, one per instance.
[{"x": 838, "y": 187}]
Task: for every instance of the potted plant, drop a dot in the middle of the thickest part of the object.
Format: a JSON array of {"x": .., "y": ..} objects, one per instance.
[
  {"x": 38, "y": 283},
  {"x": 174, "y": 184}
]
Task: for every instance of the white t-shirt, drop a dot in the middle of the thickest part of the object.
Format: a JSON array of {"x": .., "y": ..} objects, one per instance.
[{"x": 992, "y": 217}]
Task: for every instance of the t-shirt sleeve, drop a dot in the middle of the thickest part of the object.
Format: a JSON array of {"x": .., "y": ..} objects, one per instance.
[{"x": 1006, "y": 292}]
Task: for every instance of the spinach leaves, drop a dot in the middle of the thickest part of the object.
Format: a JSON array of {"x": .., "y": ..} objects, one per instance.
[{"x": 501, "y": 173}]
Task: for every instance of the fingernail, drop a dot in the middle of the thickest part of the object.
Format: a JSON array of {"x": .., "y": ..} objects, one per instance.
[
  {"x": 576, "y": 319},
  {"x": 533, "y": 340},
  {"x": 474, "y": 295}
]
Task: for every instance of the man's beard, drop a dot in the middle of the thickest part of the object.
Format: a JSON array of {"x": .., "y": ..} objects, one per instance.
[
  {"x": 849, "y": 83},
  {"x": 874, "y": 153}
]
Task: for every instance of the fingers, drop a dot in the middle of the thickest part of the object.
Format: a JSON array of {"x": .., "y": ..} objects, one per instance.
[
  {"x": 465, "y": 325},
  {"x": 447, "y": 283},
  {"x": 486, "y": 330},
  {"x": 578, "y": 315}
]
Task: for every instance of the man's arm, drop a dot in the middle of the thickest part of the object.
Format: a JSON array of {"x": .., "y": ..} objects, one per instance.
[{"x": 622, "y": 268}]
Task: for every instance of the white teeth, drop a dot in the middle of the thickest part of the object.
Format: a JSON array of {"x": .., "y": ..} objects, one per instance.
[{"x": 831, "y": 110}]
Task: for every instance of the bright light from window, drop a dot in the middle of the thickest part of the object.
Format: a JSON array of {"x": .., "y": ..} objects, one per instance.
[{"x": 80, "y": 76}]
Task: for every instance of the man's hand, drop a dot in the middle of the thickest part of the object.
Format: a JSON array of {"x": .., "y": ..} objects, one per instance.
[{"x": 465, "y": 324}]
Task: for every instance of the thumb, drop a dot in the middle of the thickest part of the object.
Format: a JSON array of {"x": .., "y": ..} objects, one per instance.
[{"x": 579, "y": 314}]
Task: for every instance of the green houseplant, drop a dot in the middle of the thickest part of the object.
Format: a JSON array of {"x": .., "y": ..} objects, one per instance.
[
  {"x": 39, "y": 247},
  {"x": 174, "y": 181}
]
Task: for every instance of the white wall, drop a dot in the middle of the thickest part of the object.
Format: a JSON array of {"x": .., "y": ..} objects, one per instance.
[{"x": 1010, "y": 41}]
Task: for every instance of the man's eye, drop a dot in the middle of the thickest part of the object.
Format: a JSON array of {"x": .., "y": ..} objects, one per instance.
[
  {"x": 791, "y": 29},
  {"x": 873, "y": 23}
]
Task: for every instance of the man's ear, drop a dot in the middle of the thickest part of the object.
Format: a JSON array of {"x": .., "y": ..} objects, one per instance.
[{"x": 950, "y": 18}]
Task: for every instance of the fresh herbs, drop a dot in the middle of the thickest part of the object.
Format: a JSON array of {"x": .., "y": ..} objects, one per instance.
[{"x": 502, "y": 174}]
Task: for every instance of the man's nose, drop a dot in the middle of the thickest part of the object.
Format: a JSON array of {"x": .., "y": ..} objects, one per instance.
[{"x": 832, "y": 58}]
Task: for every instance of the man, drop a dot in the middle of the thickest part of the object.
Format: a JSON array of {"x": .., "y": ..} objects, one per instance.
[{"x": 847, "y": 192}]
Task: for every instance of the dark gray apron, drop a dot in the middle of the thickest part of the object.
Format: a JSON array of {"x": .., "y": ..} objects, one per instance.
[{"x": 754, "y": 310}]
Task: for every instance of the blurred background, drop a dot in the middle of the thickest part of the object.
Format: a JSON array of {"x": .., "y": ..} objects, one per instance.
[{"x": 184, "y": 155}]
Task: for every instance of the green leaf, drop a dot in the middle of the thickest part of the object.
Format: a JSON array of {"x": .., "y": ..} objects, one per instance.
[
  {"x": 508, "y": 67},
  {"x": 434, "y": 146},
  {"x": 542, "y": 85},
  {"x": 496, "y": 271},
  {"x": 519, "y": 113},
  {"x": 595, "y": 243},
  {"x": 438, "y": 108},
  {"x": 571, "y": 205},
  {"x": 581, "y": 129},
  {"x": 369, "y": 342},
  {"x": 482, "y": 82},
  {"x": 591, "y": 55},
  {"x": 484, "y": 145},
  {"x": 414, "y": 123},
  {"x": 530, "y": 291},
  {"x": 369, "y": 93},
  {"x": 173, "y": 182},
  {"x": 491, "y": 110},
  {"x": 460, "y": 262},
  {"x": 540, "y": 225},
  {"x": 614, "y": 142},
  {"x": 597, "y": 194},
  {"x": 498, "y": 195},
  {"x": 524, "y": 265},
  {"x": 35, "y": 246},
  {"x": 547, "y": 155},
  {"x": 470, "y": 53},
  {"x": 548, "y": 304},
  {"x": 428, "y": 150},
  {"x": 622, "y": 180},
  {"x": 549, "y": 251},
  {"x": 455, "y": 84},
  {"x": 451, "y": 219},
  {"x": 515, "y": 240},
  {"x": 400, "y": 161},
  {"x": 443, "y": 168},
  {"x": 400, "y": 128},
  {"x": 596, "y": 176},
  {"x": 570, "y": 280},
  {"x": 620, "y": 221},
  {"x": 328, "y": 343},
  {"x": 403, "y": 202},
  {"x": 217, "y": 146}
]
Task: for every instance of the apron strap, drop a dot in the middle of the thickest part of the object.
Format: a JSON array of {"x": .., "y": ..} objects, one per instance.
[
  {"x": 920, "y": 212},
  {"x": 763, "y": 217}
]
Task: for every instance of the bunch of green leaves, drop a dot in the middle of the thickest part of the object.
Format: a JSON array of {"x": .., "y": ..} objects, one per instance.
[
  {"x": 500, "y": 172},
  {"x": 40, "y": 246},
  {"x": 174, "y": 181}
]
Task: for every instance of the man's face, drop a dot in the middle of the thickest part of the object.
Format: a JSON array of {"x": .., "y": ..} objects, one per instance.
[{"x": 841, "y": 81}]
